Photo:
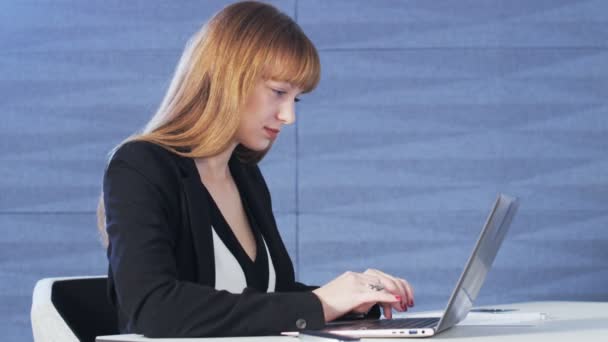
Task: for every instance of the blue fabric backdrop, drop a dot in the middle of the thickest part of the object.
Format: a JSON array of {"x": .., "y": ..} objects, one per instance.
[{"x": 425, "y": 111}]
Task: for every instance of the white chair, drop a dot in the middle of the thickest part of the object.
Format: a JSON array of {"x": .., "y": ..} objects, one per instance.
[{"x": 72, "y": 309}]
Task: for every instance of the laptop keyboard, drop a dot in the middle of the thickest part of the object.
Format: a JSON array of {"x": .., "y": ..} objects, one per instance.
[
  {"x": 397, "y": 323},
  {"x": 423, "y": 322}
]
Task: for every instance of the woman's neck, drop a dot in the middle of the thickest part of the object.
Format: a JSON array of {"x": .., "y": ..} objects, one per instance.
[{"x": 215, "y": 168}]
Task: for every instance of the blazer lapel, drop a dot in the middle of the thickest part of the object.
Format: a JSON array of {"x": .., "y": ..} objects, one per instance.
[
  {"x": 196, "y": 215},
  {"x": 255, "y": 195}
]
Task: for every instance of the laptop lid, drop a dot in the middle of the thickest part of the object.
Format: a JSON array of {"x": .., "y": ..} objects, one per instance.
[
  {"x": 466, "y": 290},
  {"x": 479, "y": 263}
]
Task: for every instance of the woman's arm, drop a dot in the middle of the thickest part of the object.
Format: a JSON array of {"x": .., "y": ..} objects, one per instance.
[
  {"x": 144, "y": 271},
  {"x": 374, "y": 311}
]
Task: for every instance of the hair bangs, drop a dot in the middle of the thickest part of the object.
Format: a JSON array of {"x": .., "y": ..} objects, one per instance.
[{"x": 294, "y": 59}]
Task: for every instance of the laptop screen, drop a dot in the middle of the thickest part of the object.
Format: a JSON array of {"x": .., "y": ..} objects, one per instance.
[{"x": 480, "y": 261}]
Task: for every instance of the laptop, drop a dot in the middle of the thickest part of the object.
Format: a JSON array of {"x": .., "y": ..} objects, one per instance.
[{"x": 464, "y": 294}]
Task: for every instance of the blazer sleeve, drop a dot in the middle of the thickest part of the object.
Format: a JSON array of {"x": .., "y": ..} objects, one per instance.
[{"x": 148, "y": 291}]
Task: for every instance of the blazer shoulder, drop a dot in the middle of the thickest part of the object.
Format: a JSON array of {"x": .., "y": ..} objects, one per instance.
[
  {"x": 153, "y": 161},
  {"x": 138, "y": 151}
]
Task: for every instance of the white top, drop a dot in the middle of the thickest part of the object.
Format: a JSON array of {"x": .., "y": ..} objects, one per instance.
[{"x": 232, "y": 276}]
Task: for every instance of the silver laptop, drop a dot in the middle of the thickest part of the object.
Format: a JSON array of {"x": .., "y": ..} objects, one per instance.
[{"x": 463, "y": 296}]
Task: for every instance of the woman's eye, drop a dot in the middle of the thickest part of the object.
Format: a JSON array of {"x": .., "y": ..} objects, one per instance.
[
  {"x": 279, "y": 92},
  {"x": 283, "y": 92}
]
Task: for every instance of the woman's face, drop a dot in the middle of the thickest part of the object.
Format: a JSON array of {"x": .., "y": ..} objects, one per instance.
[{"x": 270, "y": 106}]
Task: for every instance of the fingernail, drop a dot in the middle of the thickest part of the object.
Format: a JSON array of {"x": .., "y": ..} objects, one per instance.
[{"x": 411, "y": 303}]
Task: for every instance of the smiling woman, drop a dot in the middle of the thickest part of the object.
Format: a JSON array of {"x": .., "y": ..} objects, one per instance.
[{"x": 186, "y": 215}]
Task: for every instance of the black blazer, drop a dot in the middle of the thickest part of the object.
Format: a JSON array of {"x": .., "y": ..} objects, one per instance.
[{"x": 162, "y": 273}]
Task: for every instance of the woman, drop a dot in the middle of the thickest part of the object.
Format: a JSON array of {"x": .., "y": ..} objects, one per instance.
[{"x": 193, "y": 245}]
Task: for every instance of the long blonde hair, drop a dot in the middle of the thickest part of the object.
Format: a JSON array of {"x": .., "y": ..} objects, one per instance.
[{"x": 218, "y": 70}]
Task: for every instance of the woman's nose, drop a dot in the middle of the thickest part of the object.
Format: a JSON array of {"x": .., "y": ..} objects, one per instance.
[{"x": 287, "y": 113}]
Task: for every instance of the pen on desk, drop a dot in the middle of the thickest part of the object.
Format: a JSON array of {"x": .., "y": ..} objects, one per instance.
[
  {"x": 492, "y": 310},
  {"x": 320, "y": 336}
]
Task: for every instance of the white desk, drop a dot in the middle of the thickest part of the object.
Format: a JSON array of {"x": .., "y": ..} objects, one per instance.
[{"x": 565, "y": 321}]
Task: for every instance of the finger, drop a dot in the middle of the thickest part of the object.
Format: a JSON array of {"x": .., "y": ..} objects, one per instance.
[
  {"x": 406, "y": 291},
  {"x": 399, "y": 306},
  {"x": 393, "y": 285},
  {"x": 410, "y": 291},
  {"x": 387, "y": 310},
  {"x": 402, "y": 288},
  {"x": 374, "y": 297},
  {"x": 389, "y": 282},
  {"x": 407, "y": 288},
  {"x": 368, "y": 280}
]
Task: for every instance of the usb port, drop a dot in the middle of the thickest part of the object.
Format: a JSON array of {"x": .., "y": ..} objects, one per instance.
[{"x": 413, "y": 332}]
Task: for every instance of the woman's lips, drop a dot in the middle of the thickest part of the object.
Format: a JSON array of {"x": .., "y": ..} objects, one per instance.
[{"x": 271, "y": 132}]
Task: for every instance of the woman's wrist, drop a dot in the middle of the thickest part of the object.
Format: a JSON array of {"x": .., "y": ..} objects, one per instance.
[{"x": 327, "y": 311}]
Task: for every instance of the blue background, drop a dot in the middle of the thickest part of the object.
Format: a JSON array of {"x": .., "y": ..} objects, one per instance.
[{"x": 426, "y": 110}]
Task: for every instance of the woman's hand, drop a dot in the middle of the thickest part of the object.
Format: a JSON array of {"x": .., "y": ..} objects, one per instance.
[
  {"x": 358, "y": 292},
  {"x": 399, "y": 287}
]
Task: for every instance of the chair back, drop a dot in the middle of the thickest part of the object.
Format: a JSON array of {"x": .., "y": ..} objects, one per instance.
[{"x": 72, "y": 309}]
